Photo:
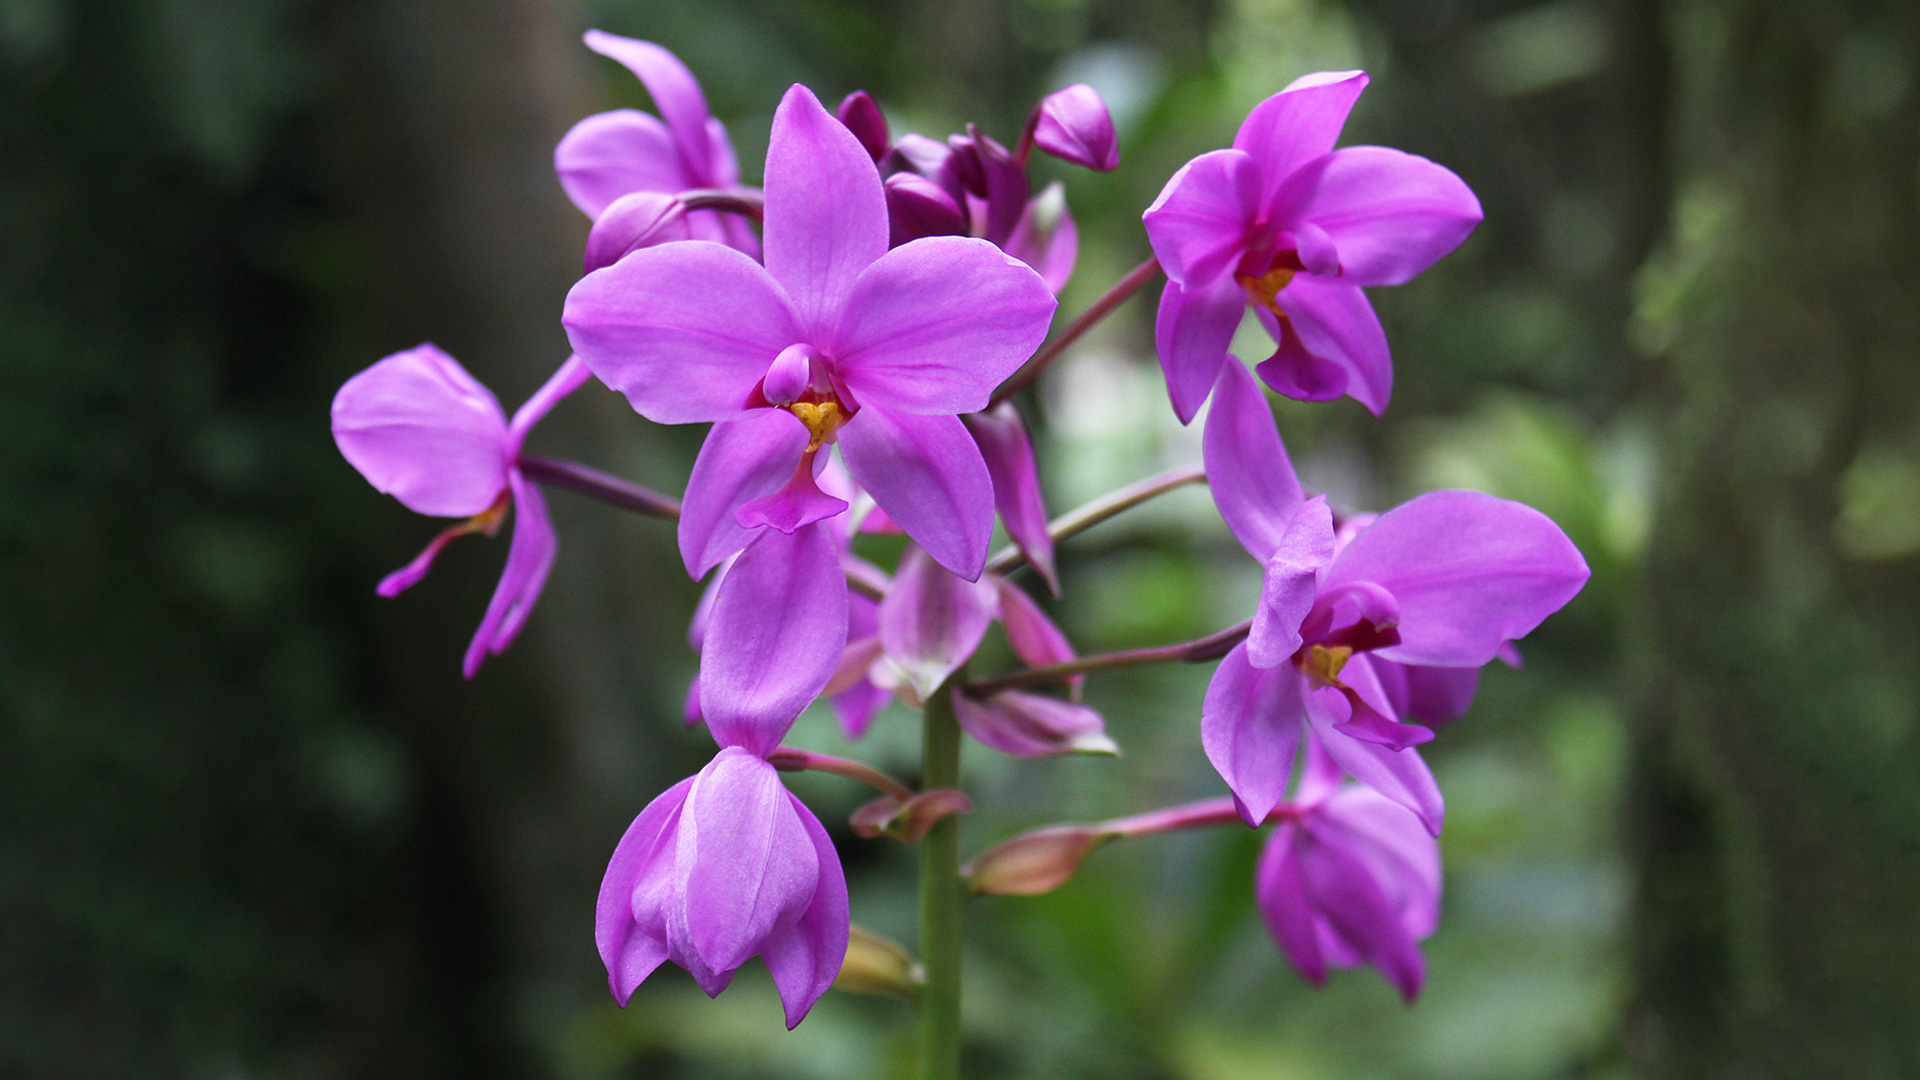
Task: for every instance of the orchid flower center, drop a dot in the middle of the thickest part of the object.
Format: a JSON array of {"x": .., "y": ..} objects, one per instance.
[
  {"x": 1265, "y": 289},
  {"x": 1321, "y": 665},
  {"x": 823, "y": 418}
]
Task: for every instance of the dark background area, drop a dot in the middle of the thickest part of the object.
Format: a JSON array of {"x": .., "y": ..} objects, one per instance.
[{"x": 253, "y": 824}]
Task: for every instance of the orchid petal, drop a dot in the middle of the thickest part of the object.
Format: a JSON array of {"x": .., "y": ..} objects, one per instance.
[
  {"x": 571, "y": 375},
  {"x": 1034, "y": 637},
  {"x": 741, "y": 460},
  {"x": 675, "y": 92},
  {"x": 528, "y": 562},
  {"x": 617, "y": 153},
  {"x": 1031, "y": 725},
  {"x": 1403, "y": 856},
  {"x": 1400, "y": 775},
  {"x": 744, "y": 863},
  {"x": 932, "y": 621},
  {"x": 799, "y": 502},
  {"x": 638, "y": 880},
  {"x": 1336, "y": 323},
  {"x": 421, "y": 429},
  {"x": 1203, "y": 219},
  {"x": 1298, "y": 124},
  {"x": 927, "y": 474},
  {"x": 917, "y": 207},
  {"x": 1294, "y": 370},
  {"x": 826, "y": 215},
  {"x": 936, "y": 324},
  {"x": 1250, "y": 725},
  {"x": 1016, "y": 485},
  {"x": 779, "y": 625},
  {"x": 805, "y": 956},
  {"x": 638, "y": 219},
  {"x": 1191, "y": 334},
  {"x": 1046, "y": 238},
  {"x": 1073, "y": 124},
  {"x": 1342, "y": 889},
  {"x": 684, "y": 330},
  {"x": 868, "y": 124},
  {"x": 1288, "y": 589},
  {"x": 1252, "y": 480},
  {"x": 1471, "y": 572},
  {"x": 1390, "y": 214},
  {"x": 1280, "y": 891},
  {"x": 1431, "y": 695}
]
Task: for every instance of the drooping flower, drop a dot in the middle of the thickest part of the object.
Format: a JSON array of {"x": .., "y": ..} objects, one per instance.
[
  {"x": 1349, "y": 877},
  {"x": 421, "y": 429},
  {"x": 1284, "y": 223},
  {"x": 1445, "y": 580},
  {"x": 614, "y": 154},
  {"x": 724, "y": 866}
]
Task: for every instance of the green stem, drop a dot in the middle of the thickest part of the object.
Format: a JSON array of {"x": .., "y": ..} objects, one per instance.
[{"x": 941, "y": 896}]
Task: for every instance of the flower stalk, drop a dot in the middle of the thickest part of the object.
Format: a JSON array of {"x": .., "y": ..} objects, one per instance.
[
  {"x": 606, "y": 487},
  {"x": 942, "y": 896},
  {"x": 1198, "y": 651},
  {"x": 1082, "y": 518},
  {"x": 1136, "y": 279}
]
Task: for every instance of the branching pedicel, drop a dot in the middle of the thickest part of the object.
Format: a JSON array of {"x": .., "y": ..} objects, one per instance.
[{"x": 856, "y": 357}]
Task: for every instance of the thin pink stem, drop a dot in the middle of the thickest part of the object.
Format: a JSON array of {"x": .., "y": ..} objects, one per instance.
[
  {"x": 1136, "y": 278},
  {"x": 789, "y": 759},
  {"x": 1194, "y": 815},
  {"x": 1211, "y": 647},
  {"x": 745, "y": 201},
  {"x": 603, "y": 486},
  {"x": 1085, "y": 517}
]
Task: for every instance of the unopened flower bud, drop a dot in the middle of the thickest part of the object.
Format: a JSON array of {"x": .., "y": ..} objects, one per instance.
[
  {"x": 863, "y": 118},
  {"x": 639, "y": 220},
  {"x": 877, "y": 965},
  {"x": 1036, "y": 862},
  {"x": 1074, "y": 125},
  {"x": 909, "y": 821}
]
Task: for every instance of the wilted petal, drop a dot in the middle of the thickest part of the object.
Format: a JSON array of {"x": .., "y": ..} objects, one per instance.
[
  {"x": 639, "y": 219},
  {"x": 917, "y": 207},
  {"x": 684, "y": 330},
  {"x": 1390, "y": 214},
  {"x": 1281, "y": 893},
  {"x": 741, "y": 460},
  {"x": 629, "y": 924},
  {"x": 931, "y": 621},
  {"x": 1008, "y": 451},
  {"x": 779, "y": 625},
  {"x": 1288, "y": 589},
  {"x": 611, "y": 154},
  {"x": 1431, "y": 695},
  {"x": 1191, "y": 334},
  {"x": 1201, "y": 222},
  {"x": 676, "y": 93},
  {"x": 1252, "y": 480},
  {"x": 1251, "y": 724},
  {"x": 1471, "y": 572},
  {"x": 927, "y": 474},
  {"x": 936, "y": 324},
  {"x": 419, "y": 428},
  {"x": 826, "y": 216},
  {"x": 1046, "y": 238},
  {"x": 528, "y": 562},
  {"x": 1074, "y": 125},
  {"x": 744, "y": 863},
  {"x": 1336, "y": 323},
  {"x": 1298, "y": 124},
  {"x": 1032, "y": 725},
  {"x": 805, "y": 956}
]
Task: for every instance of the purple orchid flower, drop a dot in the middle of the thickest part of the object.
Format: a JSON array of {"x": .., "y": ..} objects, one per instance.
[
  {"x": 1287, "y": 224},
  {"x": 1349, "y": 877},
  {"x": 421, "y": 429},
  {"x": 724, "y": 866},
  {"x": 614, "y": 154},
  {"x": 1446, "y": 580}
]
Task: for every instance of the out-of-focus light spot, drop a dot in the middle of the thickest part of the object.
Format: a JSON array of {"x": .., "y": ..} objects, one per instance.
[
  {"x": 1127, "y": 77},
  {"x": 1542, "y": 47},
  {"x": 1871, "y": 77},
  {"x": 1879, "y": 506}
]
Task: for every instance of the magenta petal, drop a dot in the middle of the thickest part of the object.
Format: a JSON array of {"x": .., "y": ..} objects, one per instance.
[
  {"x": 1431, "y": 695},
  {"x": 931, "y": 621},
  {"x": 927, "y": 474},
  {"x": 936, "y": 324},
  {"x": 1294, "y": 370},
  {"x": 745, "y": 863},
  {"x": 800, "y": 502},
  {"x": 1046, "y": 238},
  {"x": 805, "y": 956},
  {"x": 1336, "y": 323},
  {"x": 639, "y": 219},
  {"x": 1252, "y": 480},
  {"x": 1390, "y": 214},
  {"x": 1400, "y": 775},
  {"x": 571, "y": 375},
  {"x": 868, "y": 124},
  {"x": 917, "y": 207},
  {"x": 1008, "y": 451},
  {"x": 684, "y": 330},
  {"x": 629, "y": 920},
  {"x": 1402, "y": 856},
  {"x": 528, "y": 562},
  {"x": 1342, "y": 888},
  {"x": 676, "y": 93},
  {"x": 419, "y": 428},
  {"x": 1471, "y": 572},
  {"x": 1251, "y": 724},
  {"x": 1074, "y": 125},
  {"x": 779, "y": 625},
  {"x": 1204, "y": 217},
  {"x": 1298, "y": 124},
  {"x": 826, "y": 215},
  {"x": 409, "y": 575},
  {"x": 741, "y": 460},
  {"x": 1191, "y": 334},
  {"x": 617, "y": 153},
  {"x": 1034, "y": 637},
  {"x": 1280, "y": 891},
  {"x": 1030, "y": 725},
  {"x": 1288, "y": 590}
]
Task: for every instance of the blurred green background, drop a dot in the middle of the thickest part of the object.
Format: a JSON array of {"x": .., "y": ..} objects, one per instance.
[{"x": 253, "y": 824}]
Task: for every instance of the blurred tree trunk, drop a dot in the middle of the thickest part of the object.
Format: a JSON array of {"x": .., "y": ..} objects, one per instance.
[{"x": 1777, "y": 791}]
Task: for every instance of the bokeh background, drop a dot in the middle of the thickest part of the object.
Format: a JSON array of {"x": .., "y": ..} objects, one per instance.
[{"x": 253, "y": 824}]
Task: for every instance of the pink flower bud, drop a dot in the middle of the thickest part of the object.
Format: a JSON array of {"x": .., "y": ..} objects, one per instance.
[
  {"x": 867, "y": 123},
  {"x": 1074, "y": 125},
  {"x": 1035, "y": 862},
  {"x": 639, "y": 220}
]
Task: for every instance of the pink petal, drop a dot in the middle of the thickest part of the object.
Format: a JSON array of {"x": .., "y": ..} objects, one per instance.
[
  {"x": 826, "y": 215},
  {"x": 779, "y": 625},
  {"x": 1046, "y": 238},
  {"x": 1431, "y": 695},
  {"x": 741, "y": 460},
  {"x": 1389, "y": 214},
  {"x": 1191, "y": 334},
  {"x": 1290, "y": 585},
  {"x": 1403, "y": 857},
  {"x": 1294, "y": 370},
  {"x": 931, "y": 621},
  {"x": 917, "y": 207},
  {"x": 1202, "y": 221},
  {"x": 1031, "y": 725},
  {"x": 1252, "y": 480},
  {"x": 937, "y": 323},
  {"x": 684, "y": 330},
  {"x": 419, "y": 428},
  {"x": 1400, "y": 775},
  {"x": 745, "y": 864},
  {"x": 1074, "y": 125},
  {"x": 639, "y": 219},
  {"x": 1341, "y": 887},
  {"x": 805, "y": 956},
  {"x": 676, "y": 93},
  {"x": 629, "y": 925},
  {"x": 1250, "y": 725},
  {"x": 1281, "y": 893},
  {"x": 1298, "y": 124},
  {"x": 1016, "y": 485},
  {"x": 1034, "y": 637},
  {"x": 927, "y": 474},
  {"x": 800, "y": 502},
  {"x": 1336, "y": 323},
  {"x": 617, "y": 153},
  {"x": 1470, "y": 572},
  {"x": 528, "y": 562},
  {"x": 571, "y": 375}
]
